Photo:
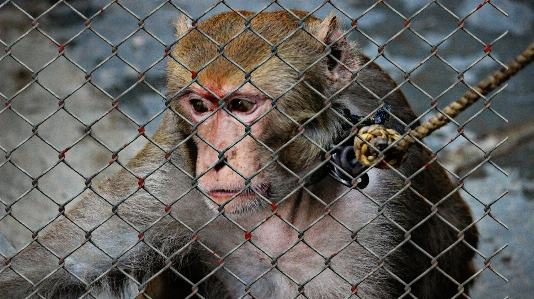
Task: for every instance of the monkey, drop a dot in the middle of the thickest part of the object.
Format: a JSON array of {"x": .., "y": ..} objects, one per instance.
[{"x": 231, "y": 197}]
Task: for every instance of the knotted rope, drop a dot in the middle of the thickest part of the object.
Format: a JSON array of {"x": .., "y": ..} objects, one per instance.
[{"x": 394, "y": 146}]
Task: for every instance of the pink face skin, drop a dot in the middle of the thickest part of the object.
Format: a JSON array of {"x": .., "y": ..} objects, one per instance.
[{"x": 222, "y": 131}]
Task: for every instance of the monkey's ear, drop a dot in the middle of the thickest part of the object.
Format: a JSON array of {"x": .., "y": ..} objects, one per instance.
[
  {"x": 329, "y": 30},
  {"x": 183, "y": 25},
  {"x": 342, "y": 59}
]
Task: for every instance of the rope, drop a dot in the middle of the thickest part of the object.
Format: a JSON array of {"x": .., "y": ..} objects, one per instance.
[{"x": 381, "y": 138}]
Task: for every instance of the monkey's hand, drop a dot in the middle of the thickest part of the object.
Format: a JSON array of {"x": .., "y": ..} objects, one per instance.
[{"x": 375, "y": 143}]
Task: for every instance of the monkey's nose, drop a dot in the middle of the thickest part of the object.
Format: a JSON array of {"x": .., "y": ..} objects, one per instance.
[
  {"x": 219, "y": 165},
  {"x": 221, "y": 162}
]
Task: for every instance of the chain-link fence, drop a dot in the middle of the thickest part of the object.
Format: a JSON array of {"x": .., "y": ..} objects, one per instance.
[{"x": 244, "y": 190}]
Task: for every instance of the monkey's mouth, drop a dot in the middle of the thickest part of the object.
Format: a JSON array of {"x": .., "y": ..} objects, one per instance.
[{"x": 221, "y": 195}]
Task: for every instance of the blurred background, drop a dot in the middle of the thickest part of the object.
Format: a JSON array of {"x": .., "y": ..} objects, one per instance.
[{"x": 68, "y": 63}]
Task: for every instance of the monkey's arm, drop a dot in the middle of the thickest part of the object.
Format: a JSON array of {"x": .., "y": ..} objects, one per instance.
[
  {"x": 115, "y": 237},
  {"x": 97, "y": 248},
  {"x": 68, "y": 258}
]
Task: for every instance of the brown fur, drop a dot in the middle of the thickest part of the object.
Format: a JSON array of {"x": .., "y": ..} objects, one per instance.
[{"x": 324, "y": 240}]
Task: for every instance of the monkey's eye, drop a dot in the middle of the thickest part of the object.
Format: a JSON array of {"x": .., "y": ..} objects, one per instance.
[
  {"x": 198, "y": 105},
  {"x": 240, "y": 105}
]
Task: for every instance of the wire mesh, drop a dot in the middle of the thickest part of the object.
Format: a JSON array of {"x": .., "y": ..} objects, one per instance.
[{"x": 70, "y": 124}]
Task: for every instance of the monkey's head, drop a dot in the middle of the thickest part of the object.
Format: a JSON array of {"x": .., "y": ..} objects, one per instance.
[{"x": 258, "y": 94}]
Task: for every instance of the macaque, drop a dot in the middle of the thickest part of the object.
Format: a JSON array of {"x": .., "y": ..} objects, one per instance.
[{"x": 230, "y": 197}]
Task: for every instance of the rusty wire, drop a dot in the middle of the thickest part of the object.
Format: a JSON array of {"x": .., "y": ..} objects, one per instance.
[{"x": 113, "y": 153}]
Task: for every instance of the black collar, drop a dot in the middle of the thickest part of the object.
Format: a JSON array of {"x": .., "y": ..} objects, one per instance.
[{"x": 343, "y": 165}]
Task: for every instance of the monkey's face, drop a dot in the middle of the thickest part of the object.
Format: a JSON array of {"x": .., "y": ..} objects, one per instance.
[
  {"x": 232, "y": 162},
  {"x": 258, "y": 119}
]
